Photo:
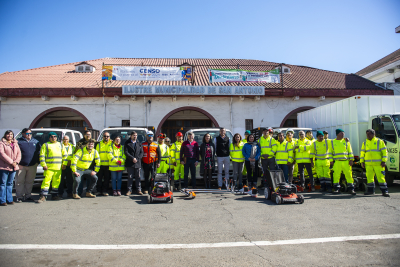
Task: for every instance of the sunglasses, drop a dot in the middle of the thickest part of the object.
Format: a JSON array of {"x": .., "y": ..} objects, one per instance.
[
  {"x": 107, "y": 136},
  {"x": 150, "y": 135},
  {"x": 28, "y": 133},
  {"x": 53, "y": 136}
]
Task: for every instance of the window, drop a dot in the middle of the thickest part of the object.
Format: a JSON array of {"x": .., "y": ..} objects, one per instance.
[
  {"x": 87, "y": 68},
  {"x": 249, "y": 124},
  {"x": 397, "y": 80},
  {"x": 80, "y": 68},
  {"x": 388, "y": 131},
  {"x": 77, "y": 137},
  {"x": 71, "y": 141},
  {"x": 126, "y": 123}
]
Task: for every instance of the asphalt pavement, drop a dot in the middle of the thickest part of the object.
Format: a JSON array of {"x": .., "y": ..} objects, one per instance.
[{"x": 210, "y": 219}]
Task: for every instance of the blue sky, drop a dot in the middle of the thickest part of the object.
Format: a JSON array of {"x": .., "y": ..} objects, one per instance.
[{"x": 343, "y": 36}]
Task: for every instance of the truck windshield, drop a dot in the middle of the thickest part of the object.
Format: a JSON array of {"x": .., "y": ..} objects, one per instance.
[
  {"x": 396, "y": 119},
  {"x": 43, "y": 136},
  {"x": 125, "y": 135},
  {"x": 198, "y": 135}
]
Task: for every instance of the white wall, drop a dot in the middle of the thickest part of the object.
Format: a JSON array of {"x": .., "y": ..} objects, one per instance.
[{"x": 17, "y": 113}]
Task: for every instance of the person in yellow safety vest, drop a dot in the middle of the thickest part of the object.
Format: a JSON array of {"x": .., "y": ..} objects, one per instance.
[
  {"x": 167, "y": 141},
  {"x": 81, "y": 162},
  {"x": 117, "y": 158},
  {"x": 292, "y": 167},
  {"x": 302, "y": 156},
  {"x": 322, "y": 154},
  {"x": 246, "y": 134},
  {"x": 51, "y": 158},
  {"x": 66, "y": 174},
  {"x": 310, "y": 137},
  {"x": 343, "y": 158},
  {"x": 103, "y": 148},
  {"x": 373, "y": 158},
  {"x": 164, "y": 149},
  {"x": 326, "y": 135},
  {"x": 284, "y": 154},
  {"x": 176, "y": 161},
  {"x": 237, "y": 158},
  {"x": 268, "y": 150}
]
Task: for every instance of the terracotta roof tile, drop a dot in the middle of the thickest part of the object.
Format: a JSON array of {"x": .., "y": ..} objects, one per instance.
[
  {"x": 64, "y": 76},
  {"x": 380, "y": 63}
]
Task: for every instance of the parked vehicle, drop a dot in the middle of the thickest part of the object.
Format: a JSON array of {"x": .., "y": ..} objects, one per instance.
[
  {"x": 42, "y": 135},
  {"x": 198, "y": 137},
  {"x": 355, "y": 115}
]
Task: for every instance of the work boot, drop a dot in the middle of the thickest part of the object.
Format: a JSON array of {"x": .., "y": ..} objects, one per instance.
[
  {"x": 370, "y": 191},
  {"x": 146, "y": 192},
  {"x": 41, "y": 199},
  {"x": 88, "y": 194},
  {"x": 128, "y": 193},
  {"x": 105, "y": 194},
  {"x": 139, "y": 193},
  {"x": 75, "y": 196},
  {"x": 56, "y": 198},
  {"x": 385, "y": 194},
  {"x": 336, "y": 191},
  {"x": 323, "y": 188},
  {"x": 352, "y": 192},
  {"x": 118, "y": 192}
]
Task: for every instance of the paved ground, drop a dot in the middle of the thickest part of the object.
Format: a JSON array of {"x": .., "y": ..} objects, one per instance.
[{"x": 209, "y": 218}]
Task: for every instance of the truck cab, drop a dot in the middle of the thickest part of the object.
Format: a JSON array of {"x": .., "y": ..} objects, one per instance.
[{"x": 387, "y": 127}]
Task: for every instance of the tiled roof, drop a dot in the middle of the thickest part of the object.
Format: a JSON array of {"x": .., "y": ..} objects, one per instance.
[
  {"x": 64, "y": 76},
  {"x": 393, "y": 57}
]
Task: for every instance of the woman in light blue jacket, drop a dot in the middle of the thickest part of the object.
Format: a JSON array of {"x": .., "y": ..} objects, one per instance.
[{"x": 251, "y": 152}]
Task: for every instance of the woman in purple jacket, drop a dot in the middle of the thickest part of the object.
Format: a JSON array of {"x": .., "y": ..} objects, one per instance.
[{"x": 10, "y": 156}]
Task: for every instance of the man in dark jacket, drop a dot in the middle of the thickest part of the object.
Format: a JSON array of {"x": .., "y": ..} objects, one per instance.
[
  {"x": 30, "y": 150},
  {"x": 134, "y": 152}
]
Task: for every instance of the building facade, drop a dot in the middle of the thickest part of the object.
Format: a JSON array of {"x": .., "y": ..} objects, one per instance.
[{"x": 74, "y": 96}]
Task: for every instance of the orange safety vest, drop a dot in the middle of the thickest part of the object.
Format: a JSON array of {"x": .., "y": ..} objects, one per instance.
[{"x": 149, "y": 152}]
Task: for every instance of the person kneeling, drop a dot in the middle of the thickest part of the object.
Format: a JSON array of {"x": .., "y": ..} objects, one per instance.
[{"x": 80, "y": 167}]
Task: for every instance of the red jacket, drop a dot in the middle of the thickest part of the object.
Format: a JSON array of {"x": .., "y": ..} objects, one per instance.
[{"x": 9, "y": 155}]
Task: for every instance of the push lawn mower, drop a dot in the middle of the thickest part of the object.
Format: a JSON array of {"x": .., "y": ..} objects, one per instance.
[
  {"x": 160, "y": 189},
  {"x": 277, "y": 190}
]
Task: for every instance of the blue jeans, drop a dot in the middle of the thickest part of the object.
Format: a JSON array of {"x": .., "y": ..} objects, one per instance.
[
  {"x": 6, "y": 186},
  {"x": 189, "y": 166},
  {"x": 116, "y": 179},
  {"x": 285, "y": 169}
]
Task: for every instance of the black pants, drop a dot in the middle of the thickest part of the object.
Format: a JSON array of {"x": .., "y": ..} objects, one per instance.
[
  {"x": 252, "y": 176},
  {"x": 134, "y": 173},
  {"x": 189, "y": 166},
  {"x": 309, "y": 170},
  {"x": 207, "y": 177},
  {"x": 148, "y": 170},
  {"x": 66, "y": 181},
  {"x": 103, "y": 179}
]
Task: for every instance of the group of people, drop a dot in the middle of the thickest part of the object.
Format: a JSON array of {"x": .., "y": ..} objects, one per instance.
[{"x": 68, "y": 167}]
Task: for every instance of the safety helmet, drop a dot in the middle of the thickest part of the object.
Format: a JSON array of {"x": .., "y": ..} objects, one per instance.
[
  {"x": 278, "y": 131},
  {"x": 149, "y": 133},
  {"x": 179, "y": 134},
  {"x": 290, "y": 130},
  {"x": 161, "y": 136}
]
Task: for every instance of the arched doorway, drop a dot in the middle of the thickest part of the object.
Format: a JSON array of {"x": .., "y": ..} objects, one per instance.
[
  {"x": 185, "y": 118},
  {"x": 291, "y": 119},
  {"x": 61, "y": 117}
]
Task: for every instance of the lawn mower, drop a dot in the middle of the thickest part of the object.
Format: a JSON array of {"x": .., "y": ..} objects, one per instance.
[
  {"x": 277, "y": 190},
  {"x": 160, "y": 189}
]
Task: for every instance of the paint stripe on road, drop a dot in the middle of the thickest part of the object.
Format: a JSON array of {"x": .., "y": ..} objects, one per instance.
[{"x": 202, "y": 245}]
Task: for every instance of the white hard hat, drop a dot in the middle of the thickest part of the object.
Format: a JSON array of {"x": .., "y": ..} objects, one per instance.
[
  {"x": 269, "y": 128},
  {"x": 278, "y": 131},
  {"x": 289, "y": 130},
  {"x": 149, "y": 133}
]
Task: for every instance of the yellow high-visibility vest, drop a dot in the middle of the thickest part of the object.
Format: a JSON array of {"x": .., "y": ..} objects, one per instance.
[
  {"x": 284, "y": 152},
  {"x": 82, "y": 160},
  {"x": 236, "y": 152},
  {"x": 103, "y": 149},
  {"x": 69, "y": 151},
  {"x": 373, "y": 152},
  {"x": 175, "y": 151},
  {"x": 341, "y": 150},
  {"x": 268, "y": 145},
  {"x": 321, "y": 150},
  {"x": 302, "y": 154},
  {"x": 52, "y": 155},
  {"x": 114, "y": 155}
]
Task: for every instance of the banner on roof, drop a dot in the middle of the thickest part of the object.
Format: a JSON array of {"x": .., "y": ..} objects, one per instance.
[
  {"x": 238, "y": 75},
  {"x": 142, "y": 73}
]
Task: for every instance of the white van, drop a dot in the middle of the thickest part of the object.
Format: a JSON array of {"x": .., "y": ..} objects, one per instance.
[
  {"x": 42, "y": 135},
  {"x": 198, "y": 137}
]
